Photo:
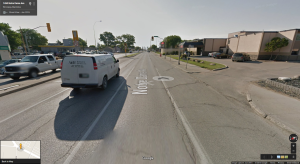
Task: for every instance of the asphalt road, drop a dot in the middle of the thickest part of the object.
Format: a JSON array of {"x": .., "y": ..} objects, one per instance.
[{"x": 117, "y": 126}]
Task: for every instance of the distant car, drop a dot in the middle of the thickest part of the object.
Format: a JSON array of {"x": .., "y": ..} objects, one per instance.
[
  {"x": 212, "y": 54},
  {"x": 240, "y": 57},
  {"x": 130, "y": 51},
  {"x": 4, "y": 63},
  {"x": 220, "y": 55},
  {"x": 187, "y": 53},
  {"x": 118, "y": 51}
]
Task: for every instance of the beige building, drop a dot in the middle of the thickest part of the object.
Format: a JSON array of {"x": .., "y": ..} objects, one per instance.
[
  {"x": 253, "y": 43},
  {"x": 212, "y": 45}
]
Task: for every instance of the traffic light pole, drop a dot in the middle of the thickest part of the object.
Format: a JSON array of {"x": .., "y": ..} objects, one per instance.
[{"x": 26, "y": 36}]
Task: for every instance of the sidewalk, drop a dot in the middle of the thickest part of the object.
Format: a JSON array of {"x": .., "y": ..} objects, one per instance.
[
  {"x": 189, "y": 68},
  {"x": 282, "y": 110}
]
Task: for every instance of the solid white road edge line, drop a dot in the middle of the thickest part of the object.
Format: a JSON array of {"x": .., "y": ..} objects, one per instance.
[
  {"x": 87, "y": 133},
  {"x": 32, "y": 106},
  {"x": 204, "y": 158}
]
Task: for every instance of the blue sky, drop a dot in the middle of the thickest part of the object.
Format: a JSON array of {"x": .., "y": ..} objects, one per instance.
[{"x": 189, "y": 19}]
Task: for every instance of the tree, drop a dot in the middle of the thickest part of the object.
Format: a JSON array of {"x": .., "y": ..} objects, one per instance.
[
  {"x": 172, "y": 41},
  {"x": 98, "y": 45},
  {"x": 274, "y": 44},
  {"x": 59, "y": 42},
  {"x": 82, "y": 43},
  {"x": 137, "y": 48},
  {"x": 154, "y": 47},
  {"x": 34, "y": 38},
  {"x": 92, "y": 46},
  {"x": 14, "y": 38},
  {"x": 125, "y": 38},
  {"x": 107, "y": 38}
]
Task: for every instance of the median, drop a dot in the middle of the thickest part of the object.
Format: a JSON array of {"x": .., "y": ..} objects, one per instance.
[
  {"x": 200, "y": 63},
  {"x": 132, "y": 55}
]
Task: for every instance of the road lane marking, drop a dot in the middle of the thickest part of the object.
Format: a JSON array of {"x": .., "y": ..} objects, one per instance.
[
  {"x": 32, "y": 106},
  {"x": 204, "y": 158},
  {"x": 87, "y": 133}
]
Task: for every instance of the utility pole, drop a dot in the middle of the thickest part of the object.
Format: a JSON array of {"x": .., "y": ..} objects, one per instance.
[{"x": 23, "y": 40}]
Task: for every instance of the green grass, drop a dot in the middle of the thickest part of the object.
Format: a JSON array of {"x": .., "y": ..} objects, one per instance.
[
  {"x": 132, "y": 55},
  {"x": 202, "y": 65}
]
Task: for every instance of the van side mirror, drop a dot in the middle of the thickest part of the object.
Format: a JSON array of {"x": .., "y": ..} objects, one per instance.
[{"x": 117, "y": 60}]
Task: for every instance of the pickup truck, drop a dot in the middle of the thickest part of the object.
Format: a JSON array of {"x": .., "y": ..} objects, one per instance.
[{"x": 31, "y": 65}]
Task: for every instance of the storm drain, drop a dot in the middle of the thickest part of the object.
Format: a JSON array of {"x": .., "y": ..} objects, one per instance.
[{"x": 4, "y": 89}]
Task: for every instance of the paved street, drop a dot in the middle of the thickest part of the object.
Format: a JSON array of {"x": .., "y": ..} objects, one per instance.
[{"x": 118, "y": 125}]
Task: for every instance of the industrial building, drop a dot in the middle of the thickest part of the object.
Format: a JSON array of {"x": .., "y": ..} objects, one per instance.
[
  {"x": 253, "y": 44},
  {"x": 54, "y": 47}
]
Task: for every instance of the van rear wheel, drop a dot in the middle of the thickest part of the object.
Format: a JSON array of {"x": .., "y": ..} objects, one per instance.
[
  {"x": 118, "y": 74},
  {"x": 104, "y": 83}
]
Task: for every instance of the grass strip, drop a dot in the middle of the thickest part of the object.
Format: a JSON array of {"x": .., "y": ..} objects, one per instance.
[{"x": 197, "y": 62}]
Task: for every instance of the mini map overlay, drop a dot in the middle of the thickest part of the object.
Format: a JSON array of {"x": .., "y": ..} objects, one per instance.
[{"x": 20, "y": 150}]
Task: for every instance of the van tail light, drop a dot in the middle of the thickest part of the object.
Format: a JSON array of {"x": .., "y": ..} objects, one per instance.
[
  {"x": 95, "y": 66},
  {"x": 61, "y": 65}
]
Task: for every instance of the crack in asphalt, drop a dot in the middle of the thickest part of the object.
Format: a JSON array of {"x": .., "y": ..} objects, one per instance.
[
  {"x": 183, "y": 84},
  {"x": 134, "y": 153}
]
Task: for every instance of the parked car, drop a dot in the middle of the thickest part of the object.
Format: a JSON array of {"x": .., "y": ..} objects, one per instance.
[
  {"x": 221, "y": 55},
  {"x": 130, "y": 51},
  {"x": 88, "y": 71},
  {"x": 240, "y": 57},
  {"x": 4, "y": 63},
  {"x": 32, "y": 65},
  {"x": 212, "y": 54}
]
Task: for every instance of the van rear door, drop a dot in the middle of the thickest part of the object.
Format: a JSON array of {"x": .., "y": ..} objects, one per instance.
[
  {"x": 69, "y": 72},
  {"x": 87, "y": 70}
]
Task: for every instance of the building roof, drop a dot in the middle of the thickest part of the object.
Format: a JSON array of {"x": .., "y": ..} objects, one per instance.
[
  {"x": 186, "y": 44},
  {"x": 56, "y": 46},
  {"x": 212, "y": 38}
]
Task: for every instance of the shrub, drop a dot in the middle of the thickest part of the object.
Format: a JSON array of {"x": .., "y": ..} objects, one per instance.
[
  {"x": 199, "y": 61},
  {"x": 176, "y": 52},
  {"x": 167, "y": 53},
  {"x": 164, "y": 53}
]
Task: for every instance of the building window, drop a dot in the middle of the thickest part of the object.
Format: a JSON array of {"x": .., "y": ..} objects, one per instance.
[{"x": 294, "y": 52}]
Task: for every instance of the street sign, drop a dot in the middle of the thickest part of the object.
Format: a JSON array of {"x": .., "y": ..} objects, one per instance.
[
  {"x": 75, "y": 35},
  {"x": 4, "y": 48},
  {"x": 76, "y": 43},
  {"x": 155, "y": 36}
]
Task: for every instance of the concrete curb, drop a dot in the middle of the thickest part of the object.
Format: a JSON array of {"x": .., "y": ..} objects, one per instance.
[
  {"x": 220, "y": 68},
  {"x": 27, "y": 86},
  {"x": 270, "y": 118}
]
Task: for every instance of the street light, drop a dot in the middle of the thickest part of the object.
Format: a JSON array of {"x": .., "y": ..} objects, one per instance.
[{"x": 94, "y": 31}]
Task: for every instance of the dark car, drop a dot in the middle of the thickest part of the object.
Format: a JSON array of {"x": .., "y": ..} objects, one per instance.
[
  {"x": 240, "y": 57},
  {"x": 7, "y": 62},
  {"x": 219, "y": 55}
]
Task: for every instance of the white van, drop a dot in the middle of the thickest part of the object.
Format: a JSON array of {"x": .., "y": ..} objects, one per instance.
[{"x": 88, "y": 71}]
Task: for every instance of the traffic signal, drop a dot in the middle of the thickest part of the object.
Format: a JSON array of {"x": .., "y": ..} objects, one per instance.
[
  {"x": 48, "y": 27},
  {"x": 152, "y": 38}
]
